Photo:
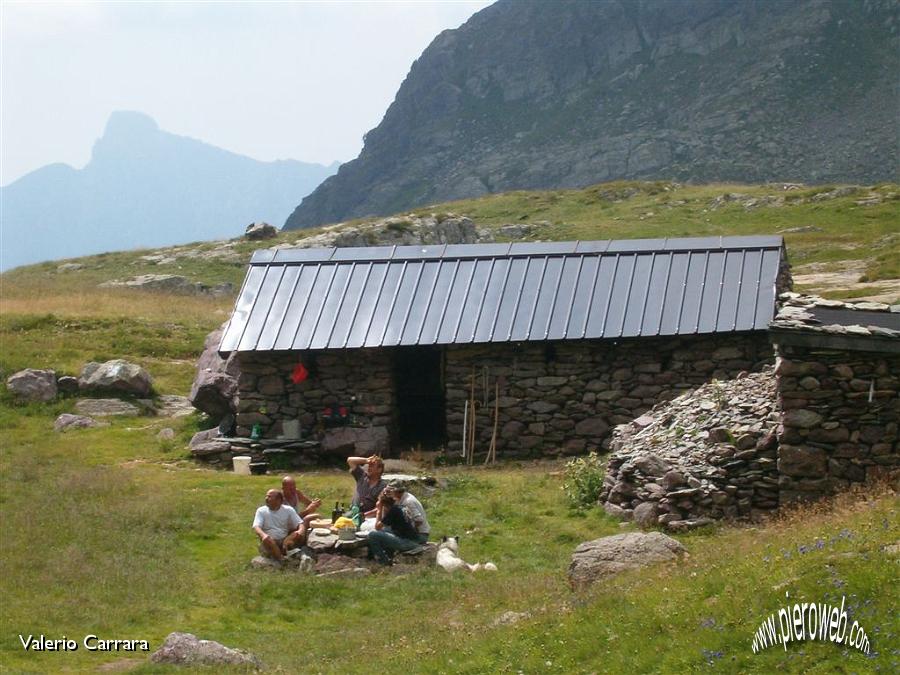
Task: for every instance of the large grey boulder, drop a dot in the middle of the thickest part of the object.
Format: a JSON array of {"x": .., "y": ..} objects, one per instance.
[
  {"x": 607, "y": 556},
  {"x": 216, "y": 384},
  {"x": 32, "y": 384},
  {"x": 116, "y": 375},
  {"x": 184, "y": 649}
]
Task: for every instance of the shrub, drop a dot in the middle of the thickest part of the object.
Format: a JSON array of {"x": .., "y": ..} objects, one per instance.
[{"x": 584, "y": 480}]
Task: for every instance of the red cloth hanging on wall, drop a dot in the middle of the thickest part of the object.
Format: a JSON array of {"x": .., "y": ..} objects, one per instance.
[{"x": 299, "y": 374}]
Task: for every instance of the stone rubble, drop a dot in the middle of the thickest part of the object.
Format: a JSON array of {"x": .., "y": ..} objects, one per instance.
[
  {"x": 710, "y": 453},
  {"x": 793, "y": 314}
]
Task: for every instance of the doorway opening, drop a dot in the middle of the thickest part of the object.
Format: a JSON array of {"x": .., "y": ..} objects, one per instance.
[{"x": 419, "y": 383}]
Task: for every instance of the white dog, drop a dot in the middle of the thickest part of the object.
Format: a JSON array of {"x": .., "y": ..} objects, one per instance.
[{"x": 448, "y": 557}]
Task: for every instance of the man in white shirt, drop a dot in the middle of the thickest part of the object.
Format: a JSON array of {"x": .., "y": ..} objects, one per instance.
[
  {"x": 277, "y": 525},
  {"x": 413, "y": 509}
]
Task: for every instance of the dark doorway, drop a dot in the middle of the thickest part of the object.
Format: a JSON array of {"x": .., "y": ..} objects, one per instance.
[{"x": 419, "y": 382}]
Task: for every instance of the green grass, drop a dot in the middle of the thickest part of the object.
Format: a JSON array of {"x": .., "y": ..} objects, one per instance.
[
  {"x": 105, "y": 531},
  {"x": 112, "y": 532}
]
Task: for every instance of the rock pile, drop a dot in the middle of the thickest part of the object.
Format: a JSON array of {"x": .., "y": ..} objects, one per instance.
[
  {"x": 184, "y": 649},
  {"x": 710, "y": 453}
]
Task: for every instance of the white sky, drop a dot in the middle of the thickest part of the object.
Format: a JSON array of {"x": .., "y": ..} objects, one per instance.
[{"x": 271, "y": 80}]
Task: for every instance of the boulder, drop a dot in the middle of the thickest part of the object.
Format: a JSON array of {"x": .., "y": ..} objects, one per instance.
[
  {"x": 258, "y": 231},
  {"x": 184, "y": 649},
  {"x": 166, "y": 434},
  {"x": 607, "y": 556},
  {"x": 216, "y": 384},
  {"x": 117, "y": 375},
  {"x": 67, "y": 384},
  {"x": 104, "y": 407},
  {"x": 32, "y": 384},
  {"x": 67, "y": 421}
]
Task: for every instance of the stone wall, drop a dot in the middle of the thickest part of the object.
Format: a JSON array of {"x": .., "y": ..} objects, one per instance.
[
  {"x": 564, "y": 397},
  {"x": 359, "y": 379},
  {"x": 841, "y": 410}
]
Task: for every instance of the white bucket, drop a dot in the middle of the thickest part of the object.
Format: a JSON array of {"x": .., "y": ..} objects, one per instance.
[{"x": 241, "y": 465}]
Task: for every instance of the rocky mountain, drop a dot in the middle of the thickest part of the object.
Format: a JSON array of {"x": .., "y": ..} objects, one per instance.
[
  {"x": 534, "y": 94},
  {"x": 145, "y": 187}
]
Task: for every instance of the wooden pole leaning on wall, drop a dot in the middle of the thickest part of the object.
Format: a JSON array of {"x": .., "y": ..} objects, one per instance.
[{"x": 492, "y": 450}]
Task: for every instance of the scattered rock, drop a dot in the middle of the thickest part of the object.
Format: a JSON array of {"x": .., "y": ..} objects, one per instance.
[
  {"x": 33, "y": 384},
  {"x": 607, "y": 556},
  {"x": 510, "y": 618},
  {"x": 67, "y": 421},
  {"x": 166, "y": 434},
  {"x": 116, "y": 375},
  {"x": 184, "y": 649},
  {"x": 258, "y": 231},
  {"x": 104, "y": 407},
  {"x": 69, "y": 267}
]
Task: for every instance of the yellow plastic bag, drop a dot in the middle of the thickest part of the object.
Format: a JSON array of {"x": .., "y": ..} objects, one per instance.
[{"x": 343, "y": 522}]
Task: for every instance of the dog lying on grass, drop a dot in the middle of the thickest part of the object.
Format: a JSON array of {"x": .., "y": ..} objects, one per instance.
[{"x": 448, "y": 557}]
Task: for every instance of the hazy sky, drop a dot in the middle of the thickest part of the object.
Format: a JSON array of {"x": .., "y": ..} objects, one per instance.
[{"x": 272, "y": 80}]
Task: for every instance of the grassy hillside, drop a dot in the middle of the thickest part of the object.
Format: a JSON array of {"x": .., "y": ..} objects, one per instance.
[{"x": 113, "y": 532}]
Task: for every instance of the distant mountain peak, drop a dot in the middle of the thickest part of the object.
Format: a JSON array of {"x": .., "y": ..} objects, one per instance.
[{"x": 130, "y": 123}]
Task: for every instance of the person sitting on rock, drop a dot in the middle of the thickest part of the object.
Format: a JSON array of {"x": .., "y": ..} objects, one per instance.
[
  {"x": 278, "y": 526},
  {"x": 393, "y": 532},
  {"x": 412, "y": 509},
  {"x": 303, "y": 505},
  {"x": 369, "y": 484}
]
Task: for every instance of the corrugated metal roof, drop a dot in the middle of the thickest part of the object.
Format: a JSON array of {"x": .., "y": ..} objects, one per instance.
[{"x": 337, "y": 298}]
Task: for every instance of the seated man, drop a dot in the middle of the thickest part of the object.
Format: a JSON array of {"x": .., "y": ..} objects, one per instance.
[
  {"x": 296, "y": 499},
  {"x": 412, "y": 508},
  {"x": 369, "y": 484},
  {"x": 277, "y": 525},
  {"x": 393, "y": 532}
]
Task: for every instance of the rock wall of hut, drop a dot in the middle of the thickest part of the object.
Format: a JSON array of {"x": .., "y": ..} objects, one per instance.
[
  {"x": 841, "y": 411},
  {"x": 565, "y": 397}
]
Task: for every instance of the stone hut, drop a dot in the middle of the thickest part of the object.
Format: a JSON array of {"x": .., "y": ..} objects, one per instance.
[
  {"x": 838, "y": 383},
  {"x": 403, "y": 345}
]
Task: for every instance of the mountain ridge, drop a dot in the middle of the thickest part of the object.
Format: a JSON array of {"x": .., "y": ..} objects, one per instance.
[
  {"x": 532, "y": 95},
  {"x": 144, "y": 186}
]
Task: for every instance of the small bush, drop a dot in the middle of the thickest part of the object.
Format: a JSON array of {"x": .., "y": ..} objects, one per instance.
[{"x": 584, "y": 480}]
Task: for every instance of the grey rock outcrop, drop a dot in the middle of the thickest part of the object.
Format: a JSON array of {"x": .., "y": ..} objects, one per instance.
[
  {"x": 607, "y": 556},
  {"x": 215, "y": 386},
  {"x": 117, "y": 375},
  {"x": 258, "y": 231},
  {"x": 185, "y": 649},
  {"x": 33, "y": 384},
  {"x": 407, "y": 230},
  {"x": 529, "y": 94},
  {"x": 170, "y": 283}
]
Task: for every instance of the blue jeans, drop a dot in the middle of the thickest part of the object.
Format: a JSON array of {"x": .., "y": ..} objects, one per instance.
[{"x": 383, "y": 542}]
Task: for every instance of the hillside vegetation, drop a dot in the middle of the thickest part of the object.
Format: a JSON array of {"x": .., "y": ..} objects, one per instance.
[{"x": 134, "y": 540}]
